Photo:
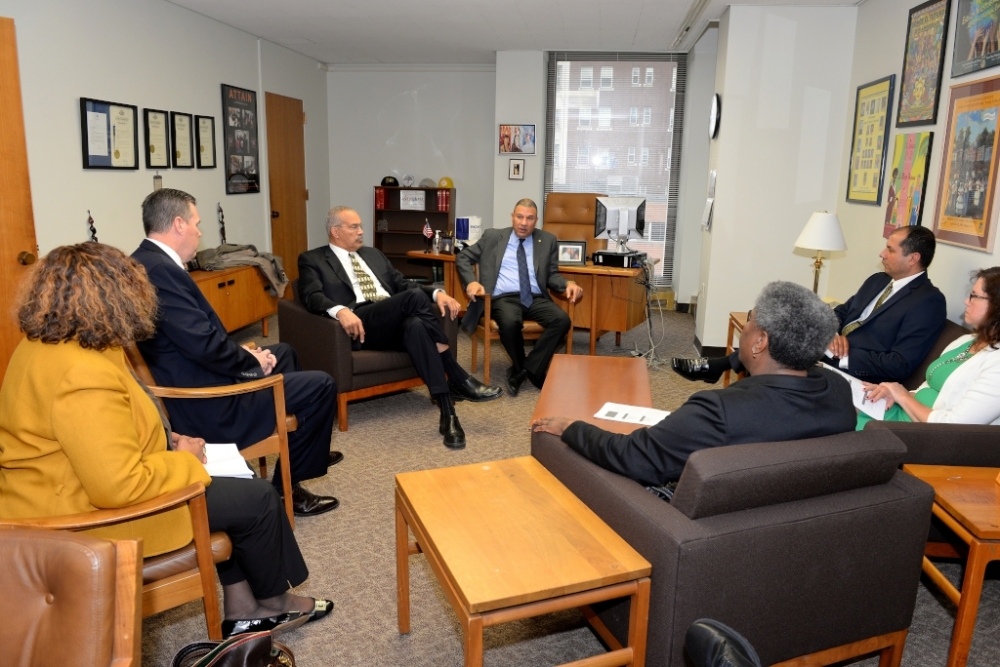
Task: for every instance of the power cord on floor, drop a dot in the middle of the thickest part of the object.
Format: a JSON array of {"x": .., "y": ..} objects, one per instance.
[{"x": 652, "y": 360}]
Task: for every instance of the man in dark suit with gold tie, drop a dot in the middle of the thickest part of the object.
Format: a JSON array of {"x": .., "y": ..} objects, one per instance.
[{"x": 382, "y": 310}]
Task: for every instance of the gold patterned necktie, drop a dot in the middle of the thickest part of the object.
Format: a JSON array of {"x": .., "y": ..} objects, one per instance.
[
  {"x": 364, "y": 280},
  {"x": 878, "y": 304}
]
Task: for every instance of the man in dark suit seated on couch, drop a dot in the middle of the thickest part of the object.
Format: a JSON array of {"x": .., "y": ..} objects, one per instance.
[
  {"x": 787, "y": 397},
  {"x": 885, "y": 330},
  {"x": 192, "y": 349},
  {"x": 381, "y": 310}
]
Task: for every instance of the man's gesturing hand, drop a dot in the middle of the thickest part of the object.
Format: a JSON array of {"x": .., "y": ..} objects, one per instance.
[
  {"x": 840, "y": 347},
  {"x": 448, "y": 304},
  {"x": 473, "y": 289}
]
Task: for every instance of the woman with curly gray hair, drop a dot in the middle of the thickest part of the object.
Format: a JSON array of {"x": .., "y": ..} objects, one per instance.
[{"x": 786, "y": 397}]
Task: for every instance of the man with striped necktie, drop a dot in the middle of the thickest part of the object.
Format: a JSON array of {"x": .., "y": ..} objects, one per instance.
[
  {"x": 886, "y": 329},
  {"x": 382, "y": 310}
]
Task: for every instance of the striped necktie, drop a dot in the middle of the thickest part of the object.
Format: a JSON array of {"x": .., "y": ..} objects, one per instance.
[
  {"x": 878, "y": 304},
  {"x": 364, "y": 280},
  {"x": 523, "y": 278}
]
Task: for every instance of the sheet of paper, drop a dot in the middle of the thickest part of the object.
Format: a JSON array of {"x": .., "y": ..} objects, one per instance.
[
  {"x": 632, "y": 414},
  {"x": 97, "y": 134},
  {"x": 874, "y": 410},
  {"x": 225, "y": 460}
]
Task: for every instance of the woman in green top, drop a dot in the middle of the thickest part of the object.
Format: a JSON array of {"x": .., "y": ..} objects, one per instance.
[{"x": 963, "y": 384}]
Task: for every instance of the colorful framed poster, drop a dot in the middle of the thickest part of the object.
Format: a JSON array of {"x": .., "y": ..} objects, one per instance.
[
  {"x": 517, "y": 139},
  {"x": 872, "y": 109},
  {"x": 975, "y": 37},
  {"x": 110, "y": 134},
  {"x": 966, "y": 213},
  {"x": 239, "y": 111},
  {"x": 907, "y": 181},
  {"x": 923, "y": 63}
]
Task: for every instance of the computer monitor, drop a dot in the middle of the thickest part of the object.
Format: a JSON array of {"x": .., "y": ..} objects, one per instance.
[{"x": 620, "y": 218}]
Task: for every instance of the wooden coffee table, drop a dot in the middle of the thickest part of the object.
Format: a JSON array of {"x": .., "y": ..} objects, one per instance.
[
  {"x": 967, "y": 500},
  {"x": 508, "y": 541}
]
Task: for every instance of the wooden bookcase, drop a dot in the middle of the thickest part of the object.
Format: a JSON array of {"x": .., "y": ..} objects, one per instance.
[{"x": 402, "y": 230}]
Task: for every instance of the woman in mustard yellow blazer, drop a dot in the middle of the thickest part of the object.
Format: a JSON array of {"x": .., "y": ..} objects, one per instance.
[{"x": 78, "y": 433}]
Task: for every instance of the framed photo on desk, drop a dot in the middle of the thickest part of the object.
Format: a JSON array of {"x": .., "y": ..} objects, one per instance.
[{"x": 571, "y": 253}]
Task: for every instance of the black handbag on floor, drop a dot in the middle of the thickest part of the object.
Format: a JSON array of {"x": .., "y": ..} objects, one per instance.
[{"x": 254, "y": 649}]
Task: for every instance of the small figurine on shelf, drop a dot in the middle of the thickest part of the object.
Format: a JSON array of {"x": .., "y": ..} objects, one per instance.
[
  {"x": 436, "y": 245},
  {"x": 428, "y": 234}
]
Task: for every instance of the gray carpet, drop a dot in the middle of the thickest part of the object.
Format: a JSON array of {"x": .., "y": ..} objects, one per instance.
[{"x": 350, "y": 551}]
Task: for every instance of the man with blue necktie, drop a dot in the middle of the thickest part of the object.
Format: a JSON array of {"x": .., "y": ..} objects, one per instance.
[{"x": 518, "y": 266}]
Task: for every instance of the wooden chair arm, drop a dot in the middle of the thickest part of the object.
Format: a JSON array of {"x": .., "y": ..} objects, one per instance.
[
  {"x": 215, "y": 392},
  {"x": 96, "y": 518}
]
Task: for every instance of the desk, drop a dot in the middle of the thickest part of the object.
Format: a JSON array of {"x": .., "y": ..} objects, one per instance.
[
  {"x": 577, "y": 386},
  {"x": 737, "y": 321},
  {"x": 967, "y": 500},
  {"x": 622, "y": 301},
  {"x": 239, "y": 296},
  {"x": 507, "y": 541}
]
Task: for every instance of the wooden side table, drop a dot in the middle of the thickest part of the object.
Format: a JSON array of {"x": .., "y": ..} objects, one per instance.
[
  {"x": 737, "y": 321},
  {"x": 507, "y": 541},
  {"x": 967, "y": 500}
]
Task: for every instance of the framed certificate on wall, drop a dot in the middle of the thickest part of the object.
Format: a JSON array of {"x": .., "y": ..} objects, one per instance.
[
  {"x": 110, "y": 134},
  {"x": 156, "y": 124},
  {"x": 182, "y": 140},
  {"x": 205, "y": 141}
]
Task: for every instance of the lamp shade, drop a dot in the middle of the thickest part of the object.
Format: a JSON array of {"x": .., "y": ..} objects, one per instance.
[{"x": 822, "y": 232}]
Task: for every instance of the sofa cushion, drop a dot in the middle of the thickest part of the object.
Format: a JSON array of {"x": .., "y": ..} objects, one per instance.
[
  {"x": 729, "y": 479},
  {"x": 371, "y": 361}
]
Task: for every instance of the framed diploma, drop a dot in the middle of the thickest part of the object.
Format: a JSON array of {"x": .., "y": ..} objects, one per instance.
[
  {"x": 156, "y": 123},
  {"x": 240, "y": 147},
  {"x": 110, "y": 134},
  {"x": 205, "y": 141},
  {"x": 182, "y": 140}
]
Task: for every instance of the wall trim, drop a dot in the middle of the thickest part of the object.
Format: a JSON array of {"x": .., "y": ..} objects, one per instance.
[{"x": 383, "y": 67}]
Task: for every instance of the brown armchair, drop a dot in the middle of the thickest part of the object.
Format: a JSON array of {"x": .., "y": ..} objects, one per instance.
[
  {"x": 323, "y": 345},
  {"x": 168, "y": 580},
  {"x": 69, "y": 600}
]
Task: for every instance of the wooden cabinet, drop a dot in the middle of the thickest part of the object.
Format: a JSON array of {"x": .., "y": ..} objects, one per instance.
[
  {"x": 239, "y": 296},
  {"x": 398, "y": 230}
]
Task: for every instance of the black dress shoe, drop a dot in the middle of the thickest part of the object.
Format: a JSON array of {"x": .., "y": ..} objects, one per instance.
[
  {"x": 321, "y": 608},
  {"x": 700, "y": 368},
  {"x": 475, "y": 391},
  {"x": 454, "y": 436},
  {"x": 231, "y": 628},
  {"x": 307, "y": 503},
  {"x": 713, "y": 644},
  {"x": 514, "y": 380},
  {"x": 335, "y": 458}
]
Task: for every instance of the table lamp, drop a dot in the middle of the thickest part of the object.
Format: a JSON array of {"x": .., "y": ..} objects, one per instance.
[{"x": 822, "y": 232}]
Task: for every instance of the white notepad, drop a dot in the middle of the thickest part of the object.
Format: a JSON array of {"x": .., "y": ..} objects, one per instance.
[
  {"x": 633, "y": 414},
  {"x": 874, "y": 410},
  {"x": 226, "y": 461}
]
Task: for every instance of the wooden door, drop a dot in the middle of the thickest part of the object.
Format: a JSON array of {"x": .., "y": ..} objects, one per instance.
[
  {"x": 17, "y": 224},
  {"x": 286, "y": 159}
]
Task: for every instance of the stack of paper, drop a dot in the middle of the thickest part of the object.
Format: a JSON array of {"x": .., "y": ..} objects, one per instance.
[
  {"x": 631, "y": 414},
  {"x": 226, "y": 461},
  {"x": 875, "y": 410}
]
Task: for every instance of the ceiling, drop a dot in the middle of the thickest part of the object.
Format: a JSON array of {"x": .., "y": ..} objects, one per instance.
[{"x": 342, "y": 32}]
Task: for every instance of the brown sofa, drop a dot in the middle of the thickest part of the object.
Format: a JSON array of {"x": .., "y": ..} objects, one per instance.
[
  {"x": 950, "y": 332},
  {"x": 322, "y": 345},
  {"x": 801, "y": 546}
]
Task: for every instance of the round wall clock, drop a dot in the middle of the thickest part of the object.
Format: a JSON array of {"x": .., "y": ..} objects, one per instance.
[{"x": 713, "y": 116}]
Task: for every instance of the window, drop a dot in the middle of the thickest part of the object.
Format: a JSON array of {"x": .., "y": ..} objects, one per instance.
[
  {"x": 603, "y": 159},
  {"x": 586, "y": 78},
  {"x": 607, "y": 74},
  {"x": 670, "y": 125},
  {"x": 562, "y": 77},
  {"x": 645, "y": 157},
  {"x": 673, "y": 81},
  {"x": 557, "y": 153},
  {"x": 649, "y": 75},
  {"x": 631, "y": 154},
  {"x": 584, "y": 118},
  {"x": 635, "y": 76},
  {"x": 604, "y": 118},
  {"x": 583, "y": 156},
  {"x": 633, "y": 116},
  {"x": 647, "y": 115}
]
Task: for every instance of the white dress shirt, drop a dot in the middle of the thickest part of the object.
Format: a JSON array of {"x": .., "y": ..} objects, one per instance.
[{"x": 171, "y": 253}]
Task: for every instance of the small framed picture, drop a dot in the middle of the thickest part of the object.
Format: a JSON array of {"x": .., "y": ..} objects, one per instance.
[
  {"x": 447, "y": 245},
  {"x": 205, "y": 141},
  {"x": 571, "y": 253},
  {"x": 516, "y": 170},
  {"x": 182, "y": 140},
  {"x": 110, "y": 134},
  {"x": 516, "y": 139}
]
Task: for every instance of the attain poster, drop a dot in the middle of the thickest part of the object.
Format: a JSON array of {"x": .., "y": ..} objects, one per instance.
[{"x": 907, "y": 181}]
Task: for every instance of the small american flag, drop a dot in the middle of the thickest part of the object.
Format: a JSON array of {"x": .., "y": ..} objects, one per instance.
[{"x": 428, "y": 232}]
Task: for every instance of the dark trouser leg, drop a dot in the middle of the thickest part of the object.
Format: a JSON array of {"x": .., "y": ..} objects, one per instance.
[
  {"x": 734, "y": 361},
  {"x": 509, "y": 315},
  {"x": 312, "y": 397},
  {"x": 556, "y": 323},
  {"x": 265, "y": 553}
]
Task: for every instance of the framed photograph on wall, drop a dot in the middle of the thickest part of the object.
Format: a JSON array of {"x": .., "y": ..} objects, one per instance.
[
  {"x": 156, "y": 123},
  {"x": 205, "y": 141},
  {"x": 872, "y": 109},
  {"x": 182, "y": 140},
  {"x": 975, "y": 38},
  {"x": 241, "y": 150},
  {"x": 109, "y": 133},
  {"x": 571, "y": 253},
  {"x": 967, "y": 205},
  {"x": 907, "y": 181},
  {"x": 517, "y": 139},
  {"x": 515, "y": 172},
  {"x": 923, "y": 64}
]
